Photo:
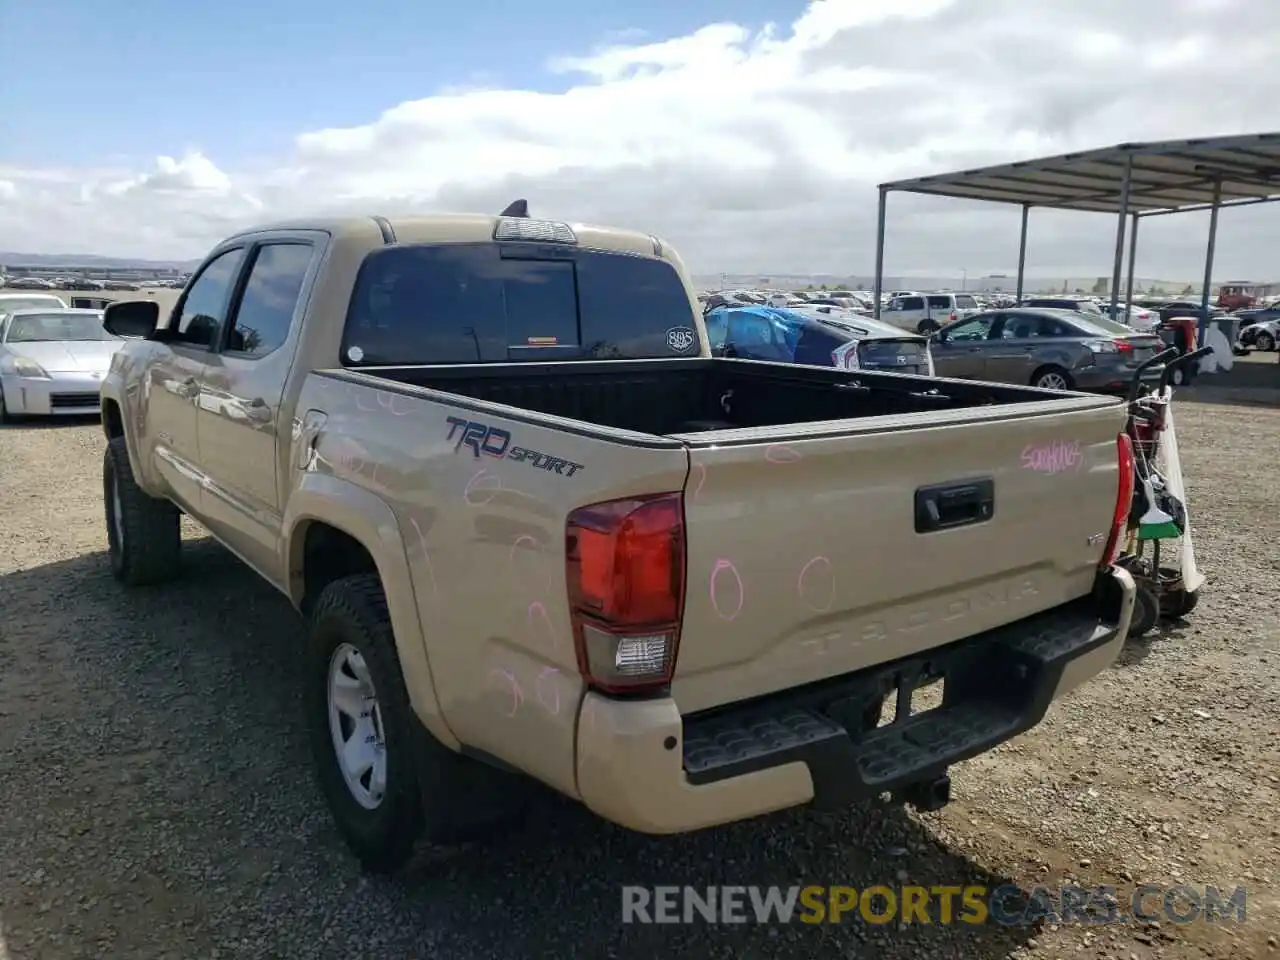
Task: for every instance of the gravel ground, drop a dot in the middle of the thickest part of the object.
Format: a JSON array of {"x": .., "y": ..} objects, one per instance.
[{"x": 158, "y": 801}]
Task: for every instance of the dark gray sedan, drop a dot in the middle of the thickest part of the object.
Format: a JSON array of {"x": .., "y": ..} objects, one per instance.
[{"x": 1053, "y": 349}]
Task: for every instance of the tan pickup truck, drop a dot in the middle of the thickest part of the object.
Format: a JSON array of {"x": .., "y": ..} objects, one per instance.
[{"x": 539, "y": 534}]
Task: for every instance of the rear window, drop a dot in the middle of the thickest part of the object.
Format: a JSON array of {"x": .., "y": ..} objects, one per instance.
[
  {"x": 492, "y": 303},
  {"x": 966, "y": 303},
  {"x": 1102, "y": 324},
  {"x": 943, "y": 303}
]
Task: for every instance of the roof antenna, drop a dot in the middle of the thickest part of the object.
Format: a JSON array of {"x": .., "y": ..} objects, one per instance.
[{"x": 517, "y": 208}]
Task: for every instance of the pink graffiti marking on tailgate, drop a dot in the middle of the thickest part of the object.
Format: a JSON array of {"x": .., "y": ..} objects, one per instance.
[
  {"x": 1057, "y": 457},
  {"x": 816, "y": 584}
]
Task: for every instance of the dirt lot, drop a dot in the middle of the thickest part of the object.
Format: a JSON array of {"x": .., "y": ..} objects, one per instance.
[{"x": 158, "y": 802}]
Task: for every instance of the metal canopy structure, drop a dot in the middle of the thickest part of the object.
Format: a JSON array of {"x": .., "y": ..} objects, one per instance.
[{"x": 1130, "y": 180}]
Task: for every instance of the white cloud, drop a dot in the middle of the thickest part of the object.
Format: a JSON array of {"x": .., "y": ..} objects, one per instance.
[
  {"x": 8, "y": 190},
  {"x": 755, "y": 150}
]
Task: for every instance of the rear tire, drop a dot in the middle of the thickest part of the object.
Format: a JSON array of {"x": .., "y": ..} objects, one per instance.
[
  {"x": 144, "y": 536},
  {"x": 351, "y": 615},
  {"x": 926, "y": 327},
  {"x": 1052, "y": 378}
]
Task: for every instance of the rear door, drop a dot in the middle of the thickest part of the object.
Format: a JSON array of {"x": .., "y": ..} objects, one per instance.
[
  {"x": 1024, "y": 342},
  {"x": 810, "y": 558}
]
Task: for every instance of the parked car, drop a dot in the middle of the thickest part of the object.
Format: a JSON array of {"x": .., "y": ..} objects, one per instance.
[
  {"x": 1138, "y": 318},
  {"x": 28, "y": 283},
  {"x": 1184, "y": 308},
  {"x": 846, "y": 303},
  {"x": 52, "y": 361},
  {"x": 9, "y": 302},
  {"x": 1262, "y": 335},
  {"x": 924, "y": 313},
  {"x": 1047, "y": 348},
  {"x": 1259, "y": 327},
  {"x": 807, "y": 335},
  {"x": 1075, "y": 304},
  {"x": 537, "y": 530}
]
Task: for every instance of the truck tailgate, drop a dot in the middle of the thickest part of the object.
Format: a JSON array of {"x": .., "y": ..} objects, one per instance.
[{"x": 810, "y": 558}]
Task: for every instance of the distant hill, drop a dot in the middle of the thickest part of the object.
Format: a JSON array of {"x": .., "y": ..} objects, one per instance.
[{"x": 14, "y": 259}]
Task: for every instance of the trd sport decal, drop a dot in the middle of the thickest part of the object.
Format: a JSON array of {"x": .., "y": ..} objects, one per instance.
[{"x": 484, "y": 440}]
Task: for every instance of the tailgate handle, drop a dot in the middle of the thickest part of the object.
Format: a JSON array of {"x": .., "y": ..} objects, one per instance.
[{"x": 943, "y": 506}]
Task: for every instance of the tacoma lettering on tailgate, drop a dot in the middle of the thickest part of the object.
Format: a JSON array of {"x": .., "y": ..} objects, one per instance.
[{"x": 484, "y": 440}]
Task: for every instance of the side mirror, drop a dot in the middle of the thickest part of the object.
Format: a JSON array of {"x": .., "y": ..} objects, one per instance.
[{"x": 132, "y": 318}]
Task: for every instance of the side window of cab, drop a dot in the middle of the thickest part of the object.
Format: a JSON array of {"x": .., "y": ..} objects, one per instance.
[{"x": 198, "y": 318}]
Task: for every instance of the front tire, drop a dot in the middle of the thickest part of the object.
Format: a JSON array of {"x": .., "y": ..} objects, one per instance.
[
  {"x": 144, "y": 535},
  {"x": 1265, "y": 342}
]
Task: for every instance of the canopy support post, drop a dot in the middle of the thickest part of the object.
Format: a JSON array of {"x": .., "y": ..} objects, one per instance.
[
  {"x": 1208, "y": 261},
  {"x": 1022, "y": 251},
  {"x": 1120, "y": 225},
  {"x": 880, "y": 222}
]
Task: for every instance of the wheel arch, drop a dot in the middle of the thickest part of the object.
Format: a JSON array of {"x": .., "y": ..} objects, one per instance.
[{"x": 332, "y": 529}]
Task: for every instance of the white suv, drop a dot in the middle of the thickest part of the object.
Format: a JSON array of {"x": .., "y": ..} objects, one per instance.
[{"x": 926, "y": 312}]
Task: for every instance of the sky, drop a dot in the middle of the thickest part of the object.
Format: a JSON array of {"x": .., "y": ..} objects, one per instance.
[{"x": 749, "y": 134}]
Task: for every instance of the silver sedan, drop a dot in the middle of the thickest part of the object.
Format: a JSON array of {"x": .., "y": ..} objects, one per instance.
[{"x": 52, "y": 362}]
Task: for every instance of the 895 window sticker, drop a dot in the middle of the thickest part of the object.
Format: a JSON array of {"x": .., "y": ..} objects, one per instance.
[{"x": 681, "y": 339}]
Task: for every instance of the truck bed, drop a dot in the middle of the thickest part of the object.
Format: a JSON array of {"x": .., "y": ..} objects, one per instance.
[
  {"x": 835, "y": 519},
  {"x": 673, "y": 397}
]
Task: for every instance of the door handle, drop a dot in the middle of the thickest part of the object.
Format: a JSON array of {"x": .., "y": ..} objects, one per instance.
[
  {"x": 257, "y": 410},
  {"x": 946, "y": 505}
]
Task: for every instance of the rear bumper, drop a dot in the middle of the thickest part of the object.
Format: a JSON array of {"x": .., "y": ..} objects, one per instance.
[
  {"x": 68, "y": 394},
  {"x": 642, "y": 765}
]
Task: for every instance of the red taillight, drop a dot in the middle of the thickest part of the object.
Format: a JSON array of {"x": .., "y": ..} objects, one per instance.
[
  {"x": 1124, "y": 499},
  {"x": 625, "y": 564},
  {"x": 1124, "y": 346},
  {"x": 952, "y": 317}
]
